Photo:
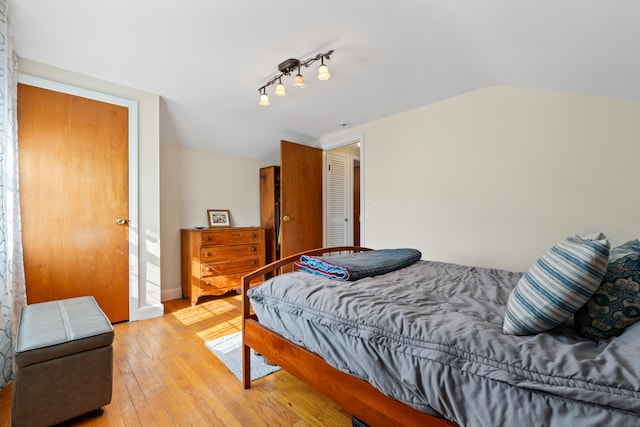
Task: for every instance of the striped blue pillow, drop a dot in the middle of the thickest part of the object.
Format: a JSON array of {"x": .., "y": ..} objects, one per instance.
[{"x": 557, "y": 285}]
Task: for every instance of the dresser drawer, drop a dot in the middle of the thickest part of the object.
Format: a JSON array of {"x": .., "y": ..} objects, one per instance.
[
  {"x": 221, "y": 253},
  {"x": 228, "y": 267},
  {"x": 212, "y": 285},
  {"x": 227, "y": 237}
]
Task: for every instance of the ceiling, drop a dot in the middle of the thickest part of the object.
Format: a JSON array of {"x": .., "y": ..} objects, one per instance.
[{"x": 207, "y": 58}]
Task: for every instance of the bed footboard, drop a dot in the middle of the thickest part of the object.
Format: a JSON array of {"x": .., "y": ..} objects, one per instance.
[
  {"x": 355, "y": 396},
  {"x": 269, "y": 270}
]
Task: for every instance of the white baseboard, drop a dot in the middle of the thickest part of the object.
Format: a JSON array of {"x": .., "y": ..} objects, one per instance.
[
  {"x": 169, "y": 294},
  {"x": 150, "y": 312}
]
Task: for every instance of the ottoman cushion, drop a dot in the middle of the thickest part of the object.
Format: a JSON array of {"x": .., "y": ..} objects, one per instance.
[{"x": 54, "y": 329}]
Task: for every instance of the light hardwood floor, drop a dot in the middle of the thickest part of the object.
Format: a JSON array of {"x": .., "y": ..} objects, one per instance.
[{"x": 165, "y": 376}]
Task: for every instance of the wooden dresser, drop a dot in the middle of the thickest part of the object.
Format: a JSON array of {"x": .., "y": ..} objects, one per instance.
[{"x": 214, "y": 259}]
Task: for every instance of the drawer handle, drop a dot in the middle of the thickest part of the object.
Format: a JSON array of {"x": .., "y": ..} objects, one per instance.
[
  {"x": 206, "y": 239},
  {"x": 207, "y": 284},
  {"x": 254, "y": 235},
  {"x": 253, "y": 249},
  {"x": 207, "y": 269},
  {"x": 254, "y": 262},
  {"x": 207, "y": 254}
]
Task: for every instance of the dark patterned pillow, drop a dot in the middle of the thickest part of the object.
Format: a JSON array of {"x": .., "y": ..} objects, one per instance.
[{"x": 615, "y": 305}]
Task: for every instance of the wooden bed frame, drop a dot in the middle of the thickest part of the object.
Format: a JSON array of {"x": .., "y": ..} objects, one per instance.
[{"x": 354, "y": 395}]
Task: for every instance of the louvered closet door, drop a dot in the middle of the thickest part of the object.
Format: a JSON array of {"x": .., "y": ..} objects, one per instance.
[{"x": 339, "y": 199}]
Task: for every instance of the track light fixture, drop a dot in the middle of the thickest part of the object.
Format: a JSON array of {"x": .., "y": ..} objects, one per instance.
[{"x": 289, "y": 66}]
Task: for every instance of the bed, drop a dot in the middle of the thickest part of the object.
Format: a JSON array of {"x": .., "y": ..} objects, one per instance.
[{"x": 424, "y": 345}]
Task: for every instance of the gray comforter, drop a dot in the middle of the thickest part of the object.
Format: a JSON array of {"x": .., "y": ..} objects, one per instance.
[{"x": 431, "y": 336}]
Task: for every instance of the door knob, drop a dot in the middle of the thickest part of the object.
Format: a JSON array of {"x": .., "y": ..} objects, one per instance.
[
  {"x": 286, "y": 218},
  {"x": 121, "y": 221}
]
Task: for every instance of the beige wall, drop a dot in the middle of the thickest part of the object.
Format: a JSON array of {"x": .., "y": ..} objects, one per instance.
[
  {"x": 193, "y": 181},
  {"x": 492, "y": 177},
  {"x": 148, "y": 298},
  {"x": 496, "y": 176}
]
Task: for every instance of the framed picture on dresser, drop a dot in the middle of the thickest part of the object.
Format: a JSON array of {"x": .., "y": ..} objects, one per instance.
[{"x": 219, "y": 218}]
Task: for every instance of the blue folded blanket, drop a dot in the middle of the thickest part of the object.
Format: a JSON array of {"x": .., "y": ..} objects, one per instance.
[{"x": 358, "y": 265}]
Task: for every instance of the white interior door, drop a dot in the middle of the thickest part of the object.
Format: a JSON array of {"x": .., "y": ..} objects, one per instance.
[{"x": 339, "y": 207}]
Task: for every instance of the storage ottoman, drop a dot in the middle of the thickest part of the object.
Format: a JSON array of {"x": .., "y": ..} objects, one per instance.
[{"x": 63, "y": 362}]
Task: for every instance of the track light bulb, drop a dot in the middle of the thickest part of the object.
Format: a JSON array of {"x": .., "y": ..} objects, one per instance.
[
  {"x": 280, "y": 90},
  {"x": 299, "y": 81},
  {"x": 264, "y": 100},
  {"x": 323, "y": 72}
]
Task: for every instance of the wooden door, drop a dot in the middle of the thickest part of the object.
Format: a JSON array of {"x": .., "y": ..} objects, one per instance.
[
  {"x": 73, "y": 155},
  {"x": 301, "y": 192}
]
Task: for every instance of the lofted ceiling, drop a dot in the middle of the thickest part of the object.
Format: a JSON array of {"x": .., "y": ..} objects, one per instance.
[{"x": 207, "y": 58}]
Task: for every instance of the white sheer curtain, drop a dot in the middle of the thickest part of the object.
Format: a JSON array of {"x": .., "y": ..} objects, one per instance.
[{"x": 12, "y": 284}]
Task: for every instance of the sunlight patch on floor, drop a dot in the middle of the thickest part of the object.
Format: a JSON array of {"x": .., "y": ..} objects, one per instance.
[
  {"x": 198, "y": 313},
  {"x": 220, "y": 330}
]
